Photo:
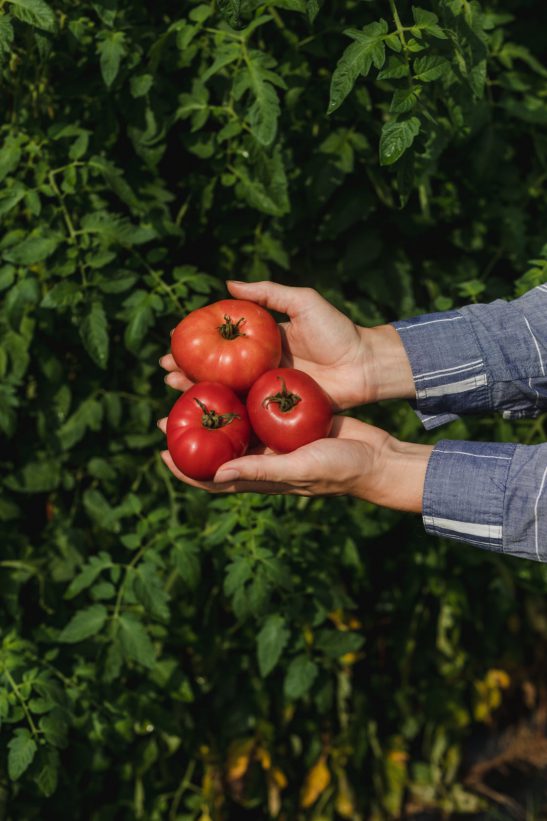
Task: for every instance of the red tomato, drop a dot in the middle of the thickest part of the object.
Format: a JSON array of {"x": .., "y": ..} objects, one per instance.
[
  {"x": 288, "y": 409},
  {"x": 232, "y": 342},
  {"x": 207, "y": 426}
]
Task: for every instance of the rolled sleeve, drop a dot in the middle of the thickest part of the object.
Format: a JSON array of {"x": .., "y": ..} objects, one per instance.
[
  {"x": 480, "y": 357},
  {"x": 491, "y": 495}
]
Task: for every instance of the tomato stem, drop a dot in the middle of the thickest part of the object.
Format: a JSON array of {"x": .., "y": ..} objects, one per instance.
[
  {"x": 213, "y": 420},
  {"x": 231, "y": 330},
  {"x": 284, "y": 398}
]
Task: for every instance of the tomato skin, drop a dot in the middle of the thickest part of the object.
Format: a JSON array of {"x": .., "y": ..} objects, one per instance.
[
  {"x": 199, "y": 451},
  {"x": 201, "y": 351},
  {"x": 308, "y": 420}
]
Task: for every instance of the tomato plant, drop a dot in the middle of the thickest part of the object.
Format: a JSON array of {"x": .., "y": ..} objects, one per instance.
[
  {"x": 231, "y": 341},
  {"x": 288, "y": 409},
  {"x": 207, "y": 426}
]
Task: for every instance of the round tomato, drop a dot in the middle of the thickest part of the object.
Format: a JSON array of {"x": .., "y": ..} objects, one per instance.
[
  {"x": 232, "y": 342},
  {"x": 207, "y": 426},
  {"x": 288, "y": 409}
]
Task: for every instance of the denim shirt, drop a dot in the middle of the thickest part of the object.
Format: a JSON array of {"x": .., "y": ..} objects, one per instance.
[{"x": 477, "y": 359}]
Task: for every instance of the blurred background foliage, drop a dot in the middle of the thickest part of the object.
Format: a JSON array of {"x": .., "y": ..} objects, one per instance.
[{"x": 166, "y": 655}]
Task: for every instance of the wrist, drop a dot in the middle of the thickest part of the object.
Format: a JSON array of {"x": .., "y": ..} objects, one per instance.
[
  {"x": 388, "y": 374},
  {"x": 396, "y": 477}
]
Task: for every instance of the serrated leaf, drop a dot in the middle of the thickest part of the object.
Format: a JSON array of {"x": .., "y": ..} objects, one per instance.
[
  {"x": 64, "y": 294},
  {"x": 111, "y": 49},
  {"x": 404, "y": 99},
  {"x": 31, "y": 250},
  {"x": 94, "y": 333},
  {"x": 428, "y": 21},
  {"x": 300, "y": 676},
  {"x": 6, "y": 36},
  {"x": 397, "y": 136},
  {"x": 22, "y": 749},
  {"x": 35, "y": 13},
  {"x": 270, "y": 643},
  {"x": 267, "y": 188},
  {"x": 135, "y": 641},
  {"x": 357, "y": 60},
  {"x": 258, "y": 78},
  {"x": 47, "y": 776},
  {"x": 231, "y": 11},
  {"x": 186, "y": 559},
  {"x": 87, "y": 576},
  {"x": 84, "y": 623},
  {"x": 150, "y": 592},
  {"x": 11, "y": 196},
  {"x": 226, "y": 54},
  {"x": 239, "y": 571},
  {"x": 427, "y": 69},
  {"x": 35, "y": 477},
  {"x": 335, "y": 643}
]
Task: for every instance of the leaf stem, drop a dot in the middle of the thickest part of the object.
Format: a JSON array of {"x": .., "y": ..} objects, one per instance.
[{"x": 19, "y": 696}]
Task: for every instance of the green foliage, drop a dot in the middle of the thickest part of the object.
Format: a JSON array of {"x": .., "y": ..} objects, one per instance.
[{"x": 169, "y": 655}]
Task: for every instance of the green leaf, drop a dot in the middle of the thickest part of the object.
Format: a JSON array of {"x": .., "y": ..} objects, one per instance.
[
  {"x": 239, "y": 571},
  {"x": 428, "y": 21},
  {"x": 6, "y": 36},
  {"x": 62, "y": 295},
  {"x": 94, "y": 333},
  {"x": 22, "y": 749},
  {"x": 300, "y": 676},
  {"x": 54, "y": 728},
  {"x": 135, "y": 641},
  {"x": 335, "y": 643},
  {"x": 427, "y": 69},
  {"x": 35, "y": 477},
  {"x": 357, "y": 60},
  {"x": 10, "y": 155},
  {"x": 84, "y": 623},
  {"x": 404, "y": 100},
  {"x": 141, "y": 84},
  {"x": 185, "y": 557},
  {"x": 111, "y": 49},
  {"x": 270, "y": 643},
  {"x": 31, "y": 250},
  {"x": 91, "y": 571},
  {"x": 11, "y": 196},
  {"x": 397, "y": 137},
  {"x": 140, "y": 310},
  {"x": 267, "y": 188},
  {"x": 150, "y": 591},
  {"x": 48, "y": 774},
  {"x": 88, "y": 416},
  {"x": 225, "y": 54},
  {"x": 35, "y": 13},
  {"x": 257, "y": 77},
  {"x": 231, "y": 11}
]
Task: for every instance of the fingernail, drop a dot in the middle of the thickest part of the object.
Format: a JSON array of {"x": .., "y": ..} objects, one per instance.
[
  {"x": 158, "y": 422},
  {"x": 165, "y": 378},
  {"x": 229, "y": 475},
  {"x": 171, "y": 332},
  {"x": 237, "y": 282},
  {"x": 160, "y": 360}
]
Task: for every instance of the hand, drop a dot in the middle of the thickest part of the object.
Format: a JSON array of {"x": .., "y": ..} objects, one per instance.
[
  {"x": 357, "y": 459},
  {"x": 353, "y": 365}
]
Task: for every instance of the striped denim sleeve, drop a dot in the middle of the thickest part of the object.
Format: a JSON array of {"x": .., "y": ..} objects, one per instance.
[
  {"x": 493, "y": 496},
  {"x": 480, "y": 357}
]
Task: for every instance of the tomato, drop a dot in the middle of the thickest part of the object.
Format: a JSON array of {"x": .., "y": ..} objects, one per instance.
[
  {"x": 232, "y": 342},
  {"x": 288, "y": 409},
  {"x": 207, "y": 426}
]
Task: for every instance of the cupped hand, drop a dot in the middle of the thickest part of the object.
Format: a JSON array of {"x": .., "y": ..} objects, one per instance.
[
  {"x": 334, "y": 466},
  {"x": 317, "y": 339}
]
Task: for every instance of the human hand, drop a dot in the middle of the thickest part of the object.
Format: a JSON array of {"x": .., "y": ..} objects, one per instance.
[
  {"x": 357, "y": 459},
  {"x": 353, "y": 365}
]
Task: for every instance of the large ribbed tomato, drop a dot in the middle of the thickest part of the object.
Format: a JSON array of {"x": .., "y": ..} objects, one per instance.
[
  {"x": 232, "y": 342},
  {"x": 288, "y": 409},
  {"x": 207, "y": 426}
]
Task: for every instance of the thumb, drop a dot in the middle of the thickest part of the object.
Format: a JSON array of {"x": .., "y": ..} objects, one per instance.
[
  {"x": 282, "y": 298},
  {"x": 271, "y": 468}
]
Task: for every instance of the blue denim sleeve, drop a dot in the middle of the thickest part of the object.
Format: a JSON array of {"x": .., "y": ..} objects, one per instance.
[
  {"x": 480, "y": 357},
  {"x": 493, "y": 496}
]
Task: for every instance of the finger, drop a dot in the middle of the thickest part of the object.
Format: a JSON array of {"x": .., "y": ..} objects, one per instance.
[
  {"x": 178, "y": 381},
  {"x": 226, "y": 487},
  {"x": 168, "y": 363},
  {"x": 282, "y": 298},
  {"x": 162, "y": 424},
  {"x": 272, "y": 468}
]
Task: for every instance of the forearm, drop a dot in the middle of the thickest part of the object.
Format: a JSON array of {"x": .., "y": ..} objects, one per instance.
[
  {"x": 389, "y": 374},
  {"x": 397, "y": 475}
]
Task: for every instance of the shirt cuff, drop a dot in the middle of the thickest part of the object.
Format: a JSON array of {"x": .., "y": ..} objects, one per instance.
[
  {"x": 464, "y": 492},
  {"x": 447, "y": 365}
]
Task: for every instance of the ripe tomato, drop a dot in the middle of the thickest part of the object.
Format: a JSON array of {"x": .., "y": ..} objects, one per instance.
[
  {"x": 207, "y": 426},
  {"x": 288, "y": 409},
  {"x": 232, "y": 342}
]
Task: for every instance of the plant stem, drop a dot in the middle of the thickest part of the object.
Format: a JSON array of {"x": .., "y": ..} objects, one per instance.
[{"x": 13, "y": 684}]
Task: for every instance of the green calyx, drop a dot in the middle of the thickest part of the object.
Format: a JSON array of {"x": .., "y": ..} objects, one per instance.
[
  {"x": 284, "y": 398},
  {"x": 213, "y": 420},
  {"x": 231, "y": 330}
]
